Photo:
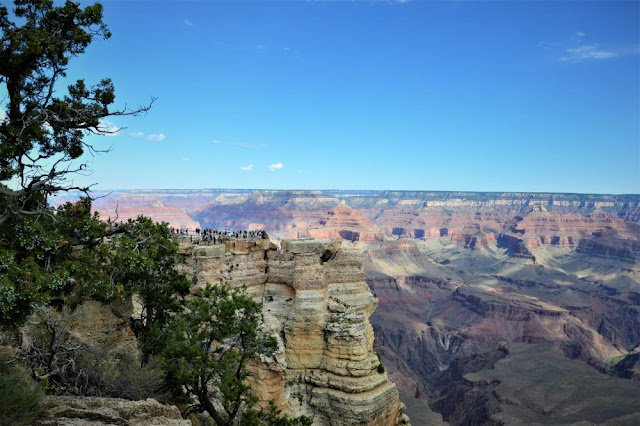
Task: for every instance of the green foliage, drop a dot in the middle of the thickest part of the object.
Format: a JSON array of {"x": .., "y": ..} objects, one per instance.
[
  {"x": 143, "y": 260},
  {"x": 272, "y": 416},
  {"x": 611, "y": 365},
  {"x": 41, "y": 259},
  {"x": 41, "y": 138},
  {"x": 208, "y": 348},
  {"x": 52, "y": 254},
  {"x": 211, "y": 342},
  {"x": 33, "y": 56},
  {"x": 19, "y": 396}
]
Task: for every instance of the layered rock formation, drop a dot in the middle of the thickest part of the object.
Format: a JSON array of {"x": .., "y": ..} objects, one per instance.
[
  {"x": 442, "y": 319},
  {"x": 346, "y": 223},
  {"x": 460, "y": 277},
  {"x": 317, "y": 305},
  {"x": 526, "y": 221}
]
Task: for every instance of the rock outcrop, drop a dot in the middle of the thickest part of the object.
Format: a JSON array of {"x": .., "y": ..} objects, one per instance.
[
  {"x": 87, "y": 411},
  {"x": 317, "y": 305}
]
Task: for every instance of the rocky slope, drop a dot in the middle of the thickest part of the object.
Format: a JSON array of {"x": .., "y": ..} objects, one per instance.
[
  {"x": 530, "y": 386},
  {"x": 442, "y": 319},
  {"x": 317, "y": 305},
  {"x": 346, "y": 223}
]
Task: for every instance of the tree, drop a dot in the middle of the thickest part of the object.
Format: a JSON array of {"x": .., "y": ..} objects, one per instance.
[
  {"x": 46, "y": 253},
  {"x": 42, "y": 140},
  {"x": 41, "y": 258},
  {"x": 43, "y": 133},
  {"x": 144, "y": 257},
  {"x": 209, "y": 347}
]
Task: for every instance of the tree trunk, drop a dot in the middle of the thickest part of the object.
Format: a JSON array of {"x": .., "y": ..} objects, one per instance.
[{"x": 203, "y": 399}]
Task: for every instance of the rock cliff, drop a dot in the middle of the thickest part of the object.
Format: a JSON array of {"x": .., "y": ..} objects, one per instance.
[{"x": 317, "y": 305}]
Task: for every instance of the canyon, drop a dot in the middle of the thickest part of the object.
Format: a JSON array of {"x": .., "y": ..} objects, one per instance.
[{"x": 492, "y": 307}]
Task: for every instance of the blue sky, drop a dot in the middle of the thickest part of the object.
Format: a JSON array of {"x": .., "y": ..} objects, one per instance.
[{"x": 481, "y": 96}]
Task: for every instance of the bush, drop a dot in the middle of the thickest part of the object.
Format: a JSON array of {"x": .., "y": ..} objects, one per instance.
[
  {"x": 120, "y": 375},
  {"x": 105, "y": 367},
  {"x": 380, "y": 366},
  {"x": 19, "y": 396}
]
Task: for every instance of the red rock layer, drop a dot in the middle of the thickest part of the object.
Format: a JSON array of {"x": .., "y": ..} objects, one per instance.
[{"x": 346, "y": 223}]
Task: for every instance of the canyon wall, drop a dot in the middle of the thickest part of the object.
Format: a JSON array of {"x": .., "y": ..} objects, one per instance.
[
  {"x": 594, "y": 223},
  {"x": 463, "y": 280},
  {"x": 317, "y": 305}
]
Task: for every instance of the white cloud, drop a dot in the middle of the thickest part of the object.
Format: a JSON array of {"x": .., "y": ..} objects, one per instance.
[
  {"x": 3, "y": 115},
  {"x": 137, "y": 134},
  {"x": 261, "y": 46},
  {"x": 587, "y": 52},
  {"x": 188, "y": 22},
  {"x": 240, "y": 144},
  {"x": 157, "y": 137},
  {"x": 578, "y": 49},
  {"x": 247, "y": 168},
  {"x": 276, "y": 166},
  {"x": 107, "y": 128}
]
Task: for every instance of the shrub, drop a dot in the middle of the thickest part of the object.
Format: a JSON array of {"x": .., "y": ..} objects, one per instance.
[
  {"x": 19, "y": 396},
  {"x": 120, "y": 375},
  {"x": 380, "y": 366},
  {"x": 108, "y": 367}
]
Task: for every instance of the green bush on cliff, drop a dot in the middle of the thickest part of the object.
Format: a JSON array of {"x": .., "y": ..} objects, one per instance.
[
  {"x": 44, "y": 258},
  {"x": 143, "y": 262},
  {"x": 19, "y": 395},
  {"x": 206, "y": 353}
]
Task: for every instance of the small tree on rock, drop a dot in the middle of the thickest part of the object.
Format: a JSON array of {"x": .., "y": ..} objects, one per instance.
[
  {"x": 144, "y": 257},
  {"x": 209, "y": 348}
]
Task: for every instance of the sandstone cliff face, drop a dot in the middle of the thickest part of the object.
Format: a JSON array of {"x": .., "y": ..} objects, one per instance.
[{"x": 317, "y": 305}]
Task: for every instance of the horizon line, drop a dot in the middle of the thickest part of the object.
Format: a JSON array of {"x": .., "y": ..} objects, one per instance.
[{"x": 364, "y": 190}]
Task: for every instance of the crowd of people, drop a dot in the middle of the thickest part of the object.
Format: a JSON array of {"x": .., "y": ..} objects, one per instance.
[{"x": 217, "y": 236}]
